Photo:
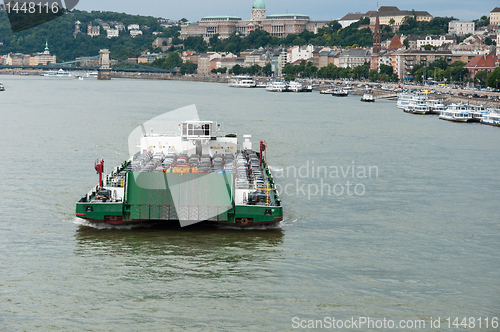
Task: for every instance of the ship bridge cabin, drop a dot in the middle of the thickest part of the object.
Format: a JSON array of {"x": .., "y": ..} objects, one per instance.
[
  {"x": 199, "y": 129},
  {"x": 196, "y": 138}
]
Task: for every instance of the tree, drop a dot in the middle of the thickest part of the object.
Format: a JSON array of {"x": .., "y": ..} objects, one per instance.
[
  {"x": 406, "y": 43},
  {"x": 290, "y": 77},
  {"x": 391, "y": 21},
  {"x": 213, "y": 41},
  {"x": 236, "y": 70},
  {"x": 267, "y": 70},
  {"x": 385, "y": 69},
  {"x": 188, "y": 67},
  {"x": 493, "y": 79},
  {"x": 480, "y": 77},
  {"x": 373, "y": 74},
  {"x": 173, "y": 60}
]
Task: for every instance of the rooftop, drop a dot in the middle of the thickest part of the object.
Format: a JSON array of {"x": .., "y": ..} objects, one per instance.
[
  {"x": 259, "y": 4},
  {"x": 221, "y": 18},
  {"x": 290, "y": 16}
]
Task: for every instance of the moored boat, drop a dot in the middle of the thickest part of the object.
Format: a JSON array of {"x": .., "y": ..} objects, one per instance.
[
  {"x": 276, "y": 86},
  {"x": 199, "y": 175},
  {"x": 417, "y": 106},
  {"x": 2, "y": 88},
  {"x": 340, "y": 93},
  {"x": 368, "y": 98},
  {"x": 294, "y": 86},
  {"x": 436, "y": 106},
  {"x": 405, "y": 98},
  {"x": 478, "y": 112},
  {"x": 326, "y": 91},
  {"x": 308, "y": 88},
  {"x": 241, "y": 82},
  {"x": 457, "y": 113},
  {"x": 492, "y": 119}
]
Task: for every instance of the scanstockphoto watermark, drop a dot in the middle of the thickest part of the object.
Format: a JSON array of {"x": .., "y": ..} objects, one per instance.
[{"x": 312, "y": 179}]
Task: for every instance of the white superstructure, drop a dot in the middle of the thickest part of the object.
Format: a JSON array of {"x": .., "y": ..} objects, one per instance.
[
  {"x": 197, "y": 137},
  {"x": 456, "y": 112},
  {"x": 276, "y": 86},
  {"x": 241, "y": 82}
]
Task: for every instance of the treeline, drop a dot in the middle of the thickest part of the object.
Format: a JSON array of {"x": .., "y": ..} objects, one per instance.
[
  {"x": 441, "y": 71},
  {"x": 59, "y": 34},
  {"x": 436, "y": 26}
]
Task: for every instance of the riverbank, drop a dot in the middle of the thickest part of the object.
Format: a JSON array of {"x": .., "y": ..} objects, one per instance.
[{"x": 380, "y": 90}]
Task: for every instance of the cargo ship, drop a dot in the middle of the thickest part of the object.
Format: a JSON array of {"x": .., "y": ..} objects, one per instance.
[{"x": 197, "y": 175}]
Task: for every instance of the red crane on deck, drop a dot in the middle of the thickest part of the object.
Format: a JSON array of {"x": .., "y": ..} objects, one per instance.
[{"x": 99, "y": 168}]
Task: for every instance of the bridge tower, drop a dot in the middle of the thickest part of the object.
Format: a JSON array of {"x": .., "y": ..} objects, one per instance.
[{"x": 104, "y": 67}]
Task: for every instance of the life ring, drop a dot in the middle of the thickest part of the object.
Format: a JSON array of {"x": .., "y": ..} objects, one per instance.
[{"x": 245, "y": 221}]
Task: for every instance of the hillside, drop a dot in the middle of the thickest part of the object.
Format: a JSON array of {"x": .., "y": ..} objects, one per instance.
[{"x": 59, "y": 34}]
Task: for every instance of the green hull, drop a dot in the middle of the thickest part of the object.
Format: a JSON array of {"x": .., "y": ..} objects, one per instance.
[{"x": 170, "y": 197}]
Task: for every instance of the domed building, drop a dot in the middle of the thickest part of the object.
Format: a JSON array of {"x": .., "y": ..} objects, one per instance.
[
  {"x": 279, "y": 25},
  {"x": 258, "y": 10}
]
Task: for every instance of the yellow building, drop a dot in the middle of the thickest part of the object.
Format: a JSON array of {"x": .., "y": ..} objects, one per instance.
[
  {"x": 42, "y": 58},
  {"x": 495, "y": 16},
  {"x": 387, "y": 14}
]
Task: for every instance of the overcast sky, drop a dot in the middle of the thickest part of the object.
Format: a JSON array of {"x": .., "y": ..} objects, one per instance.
[{"x": 193, "y": 10}]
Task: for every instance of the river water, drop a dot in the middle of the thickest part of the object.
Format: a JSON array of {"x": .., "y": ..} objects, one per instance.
[{"x": 387, "y": 216}]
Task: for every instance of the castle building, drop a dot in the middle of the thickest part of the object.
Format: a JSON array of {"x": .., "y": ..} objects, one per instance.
[{"x": 279, "y": 25}]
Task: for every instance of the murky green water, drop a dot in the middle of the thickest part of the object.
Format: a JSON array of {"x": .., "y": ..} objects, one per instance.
[{"x": 412, "y": 233}]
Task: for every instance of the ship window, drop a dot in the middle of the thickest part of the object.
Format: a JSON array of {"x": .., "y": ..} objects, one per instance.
[{"x": 89, "y": 209}]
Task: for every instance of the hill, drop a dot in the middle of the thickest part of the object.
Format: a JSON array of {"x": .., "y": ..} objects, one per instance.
[{"x": 62, "y": 43}]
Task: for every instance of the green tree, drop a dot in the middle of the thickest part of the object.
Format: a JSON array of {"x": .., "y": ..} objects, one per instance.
[
  {"x": 385, "y": 69},
  {"x": 267, "y": 69},
  {"x": 170, "y": 62},
  {"x": 236, "y": 70},
  {"x": 188, "y": 67},
  {"x": 493, "y": 79},
  {"x": 373, "y": 74},
  {"x": 480, "y": 77},
  {"x": 290, "y": 77}
]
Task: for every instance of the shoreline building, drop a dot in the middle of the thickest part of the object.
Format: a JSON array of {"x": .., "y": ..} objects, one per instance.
[
  {"x": 278, "y": 25},
  {"x": 392, "y": 14},
  {"x": 42, "y": 58}
]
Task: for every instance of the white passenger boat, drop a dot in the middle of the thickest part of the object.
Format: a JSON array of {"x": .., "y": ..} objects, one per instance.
[
  {"x": 456, "y": 112},
  {"x": 492, "y": 119},
  {"x": 326, "y": 91},
  {"x": 417, "y": 106},
  {"x": 294, "y": 86},
  {"x": 436, "y": 106},
  {"x": 2, "y": 88},
  {"x": 57, "y": 73},
  {"x": 241, "y": 82},
  {"x": 276, "y": 86},
  {"x": 478, "y": 112},
  {"x": 405, "y": 98},
  {"x": 340, "y": 93},
  {"x": 368, "y": 98},
  {"x": 308, "y": 88}
]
